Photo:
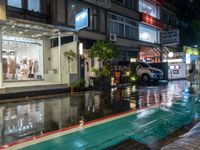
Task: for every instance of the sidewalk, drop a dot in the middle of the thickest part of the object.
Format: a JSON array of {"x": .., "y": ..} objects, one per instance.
[
  {"x": 13, "y": 90},
  {"x": 189, "y": 141}
]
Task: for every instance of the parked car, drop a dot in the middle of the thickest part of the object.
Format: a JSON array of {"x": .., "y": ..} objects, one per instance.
[{"x": 146, "y": 72}]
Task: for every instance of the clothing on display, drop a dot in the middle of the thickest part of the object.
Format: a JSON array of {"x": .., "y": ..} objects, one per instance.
[{"x": 22, "y": 70}]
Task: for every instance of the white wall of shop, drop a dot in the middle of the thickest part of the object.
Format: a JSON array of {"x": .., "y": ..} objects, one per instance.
[{"x": 54, "y": 64}]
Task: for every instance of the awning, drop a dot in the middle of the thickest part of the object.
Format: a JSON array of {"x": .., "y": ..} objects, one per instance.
[{"x": 34, "y": 29}]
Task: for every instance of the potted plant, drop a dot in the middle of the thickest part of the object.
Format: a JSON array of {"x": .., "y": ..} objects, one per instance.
[
  {"x": 105, "y": 52},
  {"x": 78, "y": 85}
]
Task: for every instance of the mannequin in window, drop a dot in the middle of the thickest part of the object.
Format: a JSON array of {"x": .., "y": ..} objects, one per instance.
[
  {"x": 11, "y": 67},
  {"x": 31, "y": 72},
  {"x": 24, "y": 69}
]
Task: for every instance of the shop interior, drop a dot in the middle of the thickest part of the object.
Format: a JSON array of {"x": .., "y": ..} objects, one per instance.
[{"x": 22, "y": 58}]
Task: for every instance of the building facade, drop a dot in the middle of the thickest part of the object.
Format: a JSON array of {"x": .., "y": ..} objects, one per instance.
[
  {"x": 134, "y": 26},
  {"x": 35, "y": 34}
]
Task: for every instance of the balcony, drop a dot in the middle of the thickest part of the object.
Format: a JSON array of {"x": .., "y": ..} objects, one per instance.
[{"x": 27, "y": 15}]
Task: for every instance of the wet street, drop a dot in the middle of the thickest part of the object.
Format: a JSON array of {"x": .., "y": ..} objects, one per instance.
[{"x": 27, "y": 118}]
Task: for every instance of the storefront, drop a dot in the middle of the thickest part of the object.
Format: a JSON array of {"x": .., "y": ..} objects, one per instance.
[
  {"x": 22, "y": 58},
  {"x": 176, "y": 65},
  {"x": 192, "y": 59},
  {"x": 27, "y": 53}
]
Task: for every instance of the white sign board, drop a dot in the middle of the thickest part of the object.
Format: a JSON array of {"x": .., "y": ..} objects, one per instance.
[
  {"x": 100, "y": 3},
  {"x": 170, "y": 37},
  {"x": 82, "y": 19}
]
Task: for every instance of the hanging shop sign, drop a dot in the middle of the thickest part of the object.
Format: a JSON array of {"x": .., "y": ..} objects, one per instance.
[
  {"x": 100, "y": 3},
  {"x": 151, "y": 21},
  {"x": 191, "y": 50},
  {"x": 82, "y": 19},
  {"x": 170, "y": 37}
]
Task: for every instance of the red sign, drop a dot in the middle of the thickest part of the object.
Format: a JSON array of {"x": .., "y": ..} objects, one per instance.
[
  {"x": 151, "y": 21},
  {"x": 157, "y": 1}
]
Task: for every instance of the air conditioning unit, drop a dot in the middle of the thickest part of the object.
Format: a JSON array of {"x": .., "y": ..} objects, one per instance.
[{"x": 112, "y": 37}]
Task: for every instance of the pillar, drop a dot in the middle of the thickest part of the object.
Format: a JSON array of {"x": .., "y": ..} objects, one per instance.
[
  {"x": 59, "y": 55},
  {"x": 1, "y": 62}
]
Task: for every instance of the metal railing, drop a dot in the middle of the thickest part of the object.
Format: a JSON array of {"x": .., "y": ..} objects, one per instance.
[{"x": 27, "y": 15}]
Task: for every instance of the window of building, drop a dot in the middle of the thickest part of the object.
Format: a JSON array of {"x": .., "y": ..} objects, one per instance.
[
  {"x": 127, "y": 3},
  {"x": 15, "y": 3},
  {"x": 149, "y": 8},
  {"x": 149, "y": 34},
  {"x": 126, "y": 55},
  {"x": 34, "y": 5},
  {"x": 122, "y": 26}
]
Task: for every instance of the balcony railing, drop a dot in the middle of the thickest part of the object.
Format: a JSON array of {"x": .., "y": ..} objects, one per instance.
[{"x": 27, "y": 15}]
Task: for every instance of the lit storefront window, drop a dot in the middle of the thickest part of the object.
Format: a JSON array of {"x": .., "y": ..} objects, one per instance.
[
  {"x": 15, "y": 3},
  {"x": 149, "y": 8},
  {"x": 22, "y": 58},
  {"x": 149, "y": 34}
]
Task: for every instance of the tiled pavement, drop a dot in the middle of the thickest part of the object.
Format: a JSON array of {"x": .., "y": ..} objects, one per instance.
[{"x": 189, "y": 141}]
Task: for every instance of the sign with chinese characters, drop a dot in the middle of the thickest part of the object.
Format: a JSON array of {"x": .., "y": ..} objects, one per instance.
[
  {"x": 170, "y": 37},
  {"x": 151, "y": 21},
  {"x": 82, "y": 19},
  {"x": 100, "y": 3}
]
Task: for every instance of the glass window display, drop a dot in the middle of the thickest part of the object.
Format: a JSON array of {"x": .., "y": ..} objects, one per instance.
[{"x": 22, "y": 58}]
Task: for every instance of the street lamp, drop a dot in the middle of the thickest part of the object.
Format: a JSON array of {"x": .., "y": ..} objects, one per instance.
[
  {"x": 171, "y": 54},
  {"x": 82, "y": 69}
]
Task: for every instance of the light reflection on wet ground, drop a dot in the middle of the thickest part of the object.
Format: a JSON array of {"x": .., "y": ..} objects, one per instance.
[{"x": 25, "y": 119}]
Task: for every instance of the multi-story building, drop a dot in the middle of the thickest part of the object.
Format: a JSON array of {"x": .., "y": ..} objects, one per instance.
[
  {"x": 35, "y": 34},
  {"x": 134, "y": 26}
]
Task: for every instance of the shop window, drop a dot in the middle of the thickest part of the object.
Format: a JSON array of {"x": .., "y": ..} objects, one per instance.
[
  {"x": 149, "y": 8},
  {"x": 149, "y": 34},
  {"x": 22, "y": 58},
  {"x": 34, "y": 5},
  {"x": 122, "y": 26},
  {"x": 15, "y": 3}
]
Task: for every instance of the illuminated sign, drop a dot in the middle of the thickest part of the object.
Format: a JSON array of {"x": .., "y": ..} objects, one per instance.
[
  {"x": 191, "y": 50},
  {"x": 82, "y": 20},
  {"x": 151, "y": 21},
  {"x": 188, "y": 60},
  {"x": 170, "y": 37}
]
